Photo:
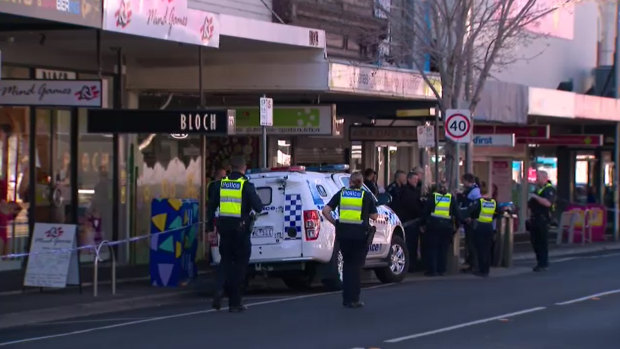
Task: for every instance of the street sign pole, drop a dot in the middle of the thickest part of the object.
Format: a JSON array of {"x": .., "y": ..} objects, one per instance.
[
  {"x": 266, "y": 119},
  {"x": 617, "y": 145}
]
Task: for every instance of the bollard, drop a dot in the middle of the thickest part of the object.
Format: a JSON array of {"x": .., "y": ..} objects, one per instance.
[
  {"x": 96, "y": 267},
  {"x": 498, "y": 246},
  {"x": 508, "y": 244}
]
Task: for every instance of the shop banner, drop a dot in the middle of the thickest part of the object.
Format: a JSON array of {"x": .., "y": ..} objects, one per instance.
[
  {"x": 168, "y": 20},
  {"x": 80, "y": 12},
  {"x": 69, "y": 93},
  {"x": 537, "y": 131},
  {"x": 213, "y": 122},
  {"x": 591, "y": 140},
  {"x": 491, "y": 140},
  {"x": 598, "y": 220},
  {"x": 293, "y": 120}
]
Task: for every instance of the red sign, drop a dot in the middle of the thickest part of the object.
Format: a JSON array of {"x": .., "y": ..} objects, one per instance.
[
  {"x": 519, "y": 131},
  {"x": 583, "y": 140}
]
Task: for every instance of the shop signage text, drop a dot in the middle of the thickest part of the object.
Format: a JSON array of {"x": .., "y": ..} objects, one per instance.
[
  {"x": 169, "y": 20},
  {"x": 290, "y": 120},
  {"x": 539, "y": 131},
  {"x": 80, "y": 12},
  {"x": 71, "y": 93},
  {"x": 574, "y": 140},
  {"x": 494, "y": 140},
  {"x": 213, "y": 122}
]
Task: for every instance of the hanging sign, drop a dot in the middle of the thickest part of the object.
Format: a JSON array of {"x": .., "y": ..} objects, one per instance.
[
  {"x": 426, "y": 136},
  {"x": 53, "y": 260},
  {"x": 68, "y": 93},
  {"x": 213, "y": 122},
  {"x": 494, "y": 140}
]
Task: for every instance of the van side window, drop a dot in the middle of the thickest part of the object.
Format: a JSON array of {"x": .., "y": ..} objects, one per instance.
[
  {"x": 321, "y": 190},
  {"x": 264, "y": 193}
]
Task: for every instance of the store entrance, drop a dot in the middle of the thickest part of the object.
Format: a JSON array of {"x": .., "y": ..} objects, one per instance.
[
  {"x": 53, "y": 182},
  {"x": 390, "y": 158}
]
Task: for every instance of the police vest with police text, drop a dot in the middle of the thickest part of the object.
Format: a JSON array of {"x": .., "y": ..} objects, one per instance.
[
  {"x": 487, "y": 210},
  {"x": 442, "y": 205},
  {"x": 230, "y": 197},
  {"x": 351, "y": 202}
]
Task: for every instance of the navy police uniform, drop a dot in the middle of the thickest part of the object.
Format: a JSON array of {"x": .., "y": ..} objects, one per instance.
[
  {"x": 539, "y": 222},
  {"x": 482, "y": 212},
  {"x": 440, "y": 212}
]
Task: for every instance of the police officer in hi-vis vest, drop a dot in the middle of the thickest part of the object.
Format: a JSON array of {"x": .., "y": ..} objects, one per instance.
[
  {"x": 352, "y": 228},
  {"x": 236, "y": 199},
  {"x": 541, "y": 204},
  {"x": 440, "y": 213},
  {"x": 480, "y": 215}
]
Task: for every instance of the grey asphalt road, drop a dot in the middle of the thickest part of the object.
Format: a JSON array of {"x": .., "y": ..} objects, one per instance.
[{"x": 573, "y": 305}]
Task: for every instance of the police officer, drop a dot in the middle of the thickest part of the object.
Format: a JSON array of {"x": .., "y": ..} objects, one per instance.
[
  {"x": 236, "y": 198},
  {"x": 440, "y": 212},
  {"x": 480, "y": 216},
  {"x": 355, "y": 207},
  {"x": 471, "y": 195},
  {"x": 540, "y": 205}
]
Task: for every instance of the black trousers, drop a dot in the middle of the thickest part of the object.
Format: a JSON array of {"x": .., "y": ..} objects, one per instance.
[
  {"x": 437, "y": 239},
  {"x": 412, "y": 233},
  {"x": 235, "y": 249},
  {"x": 470, "y": 248},
  {"x": 353, "y": 255},
  {"x": 482, "y": 237},
  {"x": 539, "y": 236}
]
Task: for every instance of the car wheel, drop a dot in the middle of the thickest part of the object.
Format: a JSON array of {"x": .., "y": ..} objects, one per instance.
[
  {"x": 334, "y": 280},
  {"x": 398, "y": 262}
]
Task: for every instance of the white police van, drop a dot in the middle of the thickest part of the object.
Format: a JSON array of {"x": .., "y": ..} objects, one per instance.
[{"x": 291, "y": 239}]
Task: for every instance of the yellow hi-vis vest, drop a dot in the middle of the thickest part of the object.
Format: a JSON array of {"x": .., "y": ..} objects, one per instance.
[
  {"x": 541, "y": 190},
  {"x": 351, "y": 202},
  {"x": 487, "y": 210},
  {"x": 442, "y": 205},
  {"x": 230, "y": 197}
]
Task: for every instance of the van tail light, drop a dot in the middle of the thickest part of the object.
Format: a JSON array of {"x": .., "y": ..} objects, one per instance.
[{"x": 312, "y": 224}]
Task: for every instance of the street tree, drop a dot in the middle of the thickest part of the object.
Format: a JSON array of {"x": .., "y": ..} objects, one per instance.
[{"x": 464, "y": 41}]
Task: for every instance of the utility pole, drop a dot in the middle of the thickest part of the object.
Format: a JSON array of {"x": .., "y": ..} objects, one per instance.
[{"x": 617, "y": 145}]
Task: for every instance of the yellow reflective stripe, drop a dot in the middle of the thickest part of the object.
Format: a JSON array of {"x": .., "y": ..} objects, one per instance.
[
  {"x": 231, "y": 192},
  {"x": 351, "y": 206},
  {"x": 442, "y": 205},
  {"x": 487, "y": 210}
]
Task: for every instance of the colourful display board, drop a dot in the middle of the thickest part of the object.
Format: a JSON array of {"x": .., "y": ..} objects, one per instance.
[
  {"x": 173, "y": 253},
  {"x": 598, "y": 220}
]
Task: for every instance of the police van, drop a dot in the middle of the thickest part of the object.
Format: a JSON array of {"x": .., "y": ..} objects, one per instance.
[{"x": 292, "y": 240}]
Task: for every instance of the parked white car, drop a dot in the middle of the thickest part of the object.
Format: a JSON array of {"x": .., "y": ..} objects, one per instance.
[{"x": 292, "y": 240}]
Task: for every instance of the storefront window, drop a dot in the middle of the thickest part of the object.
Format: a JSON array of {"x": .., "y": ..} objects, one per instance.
[
  {"x": 14, "y": 141},
  {"x": 284, "y": 153},
  {"x": 94, "y": 184}
]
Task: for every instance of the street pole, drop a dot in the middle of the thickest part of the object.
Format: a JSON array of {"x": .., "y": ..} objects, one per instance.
[
  {"x": 437, "y": 144},
  {"x": 617, "y": 145},
  {"x": 264, "y": 141}
]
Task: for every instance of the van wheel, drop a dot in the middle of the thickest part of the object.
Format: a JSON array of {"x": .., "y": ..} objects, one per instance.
[
  {"x": 333, "y": 281},
  {"x": 299, "y": 281},
  {"x": 398, "y": 260}
]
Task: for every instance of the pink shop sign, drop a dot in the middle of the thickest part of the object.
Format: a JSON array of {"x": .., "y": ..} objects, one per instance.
[{"x": 162, "y": 19}]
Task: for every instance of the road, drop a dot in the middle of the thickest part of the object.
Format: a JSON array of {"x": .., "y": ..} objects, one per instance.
[{"x": 573, "y": 305}]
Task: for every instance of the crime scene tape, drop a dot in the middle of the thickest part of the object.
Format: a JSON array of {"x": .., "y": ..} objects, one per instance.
[{"x": 96, "y": 247}]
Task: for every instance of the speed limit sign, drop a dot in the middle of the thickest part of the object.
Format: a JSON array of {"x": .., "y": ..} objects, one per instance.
[{"x": 458, "y": 125}]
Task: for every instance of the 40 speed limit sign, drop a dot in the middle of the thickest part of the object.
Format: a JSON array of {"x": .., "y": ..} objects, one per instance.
[{"x": 458, "y": 125}]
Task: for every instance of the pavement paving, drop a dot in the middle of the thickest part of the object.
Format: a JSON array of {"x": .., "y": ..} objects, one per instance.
[{"x": 570, "y": 306}]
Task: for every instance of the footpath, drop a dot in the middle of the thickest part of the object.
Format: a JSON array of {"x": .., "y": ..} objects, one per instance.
[{"x": 20, "y": 308}]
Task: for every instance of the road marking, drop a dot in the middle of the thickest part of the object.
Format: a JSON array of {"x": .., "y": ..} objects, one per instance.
[
  {"x": 87, "y": 321},
  {"x": 583, "y": 299},
  {"x": 160, "y": 318},
  {"x": 467, "y": 324}
]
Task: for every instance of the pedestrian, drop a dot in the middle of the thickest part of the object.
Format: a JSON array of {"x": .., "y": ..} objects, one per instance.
[
  {"x": 370, "y": 181},
  {"x": 541, "y": 204},
  {"x": 395, "y": 190},
  {"x": 471, "y": 195},
  {"x": 479, "y": 217},
  {"x": 236, "y": 198},
  {"x": 440, "y": 212},
  {"x": 412, "y": 211},
  {"x": 352, "y": 229}
]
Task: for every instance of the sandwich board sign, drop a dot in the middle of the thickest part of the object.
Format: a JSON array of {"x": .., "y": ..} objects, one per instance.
[{"x": 53, "y": 260}]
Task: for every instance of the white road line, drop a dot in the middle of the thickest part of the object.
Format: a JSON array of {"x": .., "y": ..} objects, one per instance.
[
  {"x": 86, "y": 321},
  {"x": 582, "y": 299},
  {"x": 467, "y": 324},
  {"x": 158, "y": 318}
]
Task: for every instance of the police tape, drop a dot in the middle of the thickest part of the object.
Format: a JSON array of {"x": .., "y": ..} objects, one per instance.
[{"x": 96, "y": 247}]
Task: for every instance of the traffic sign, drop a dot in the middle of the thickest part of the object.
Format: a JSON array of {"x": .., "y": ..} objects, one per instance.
[
  {"x": 458, "y": 125},
  {"x": 266, "y": 111},
  {"x": 426, "y": 136}
]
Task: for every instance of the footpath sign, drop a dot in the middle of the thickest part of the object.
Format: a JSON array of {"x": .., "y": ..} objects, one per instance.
[
  {"x": 266, "y": 111},
  {"x": 53, "y": 260},
  {"x": 426, "y": 136},
  {"x": 458, "y": 125}
]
